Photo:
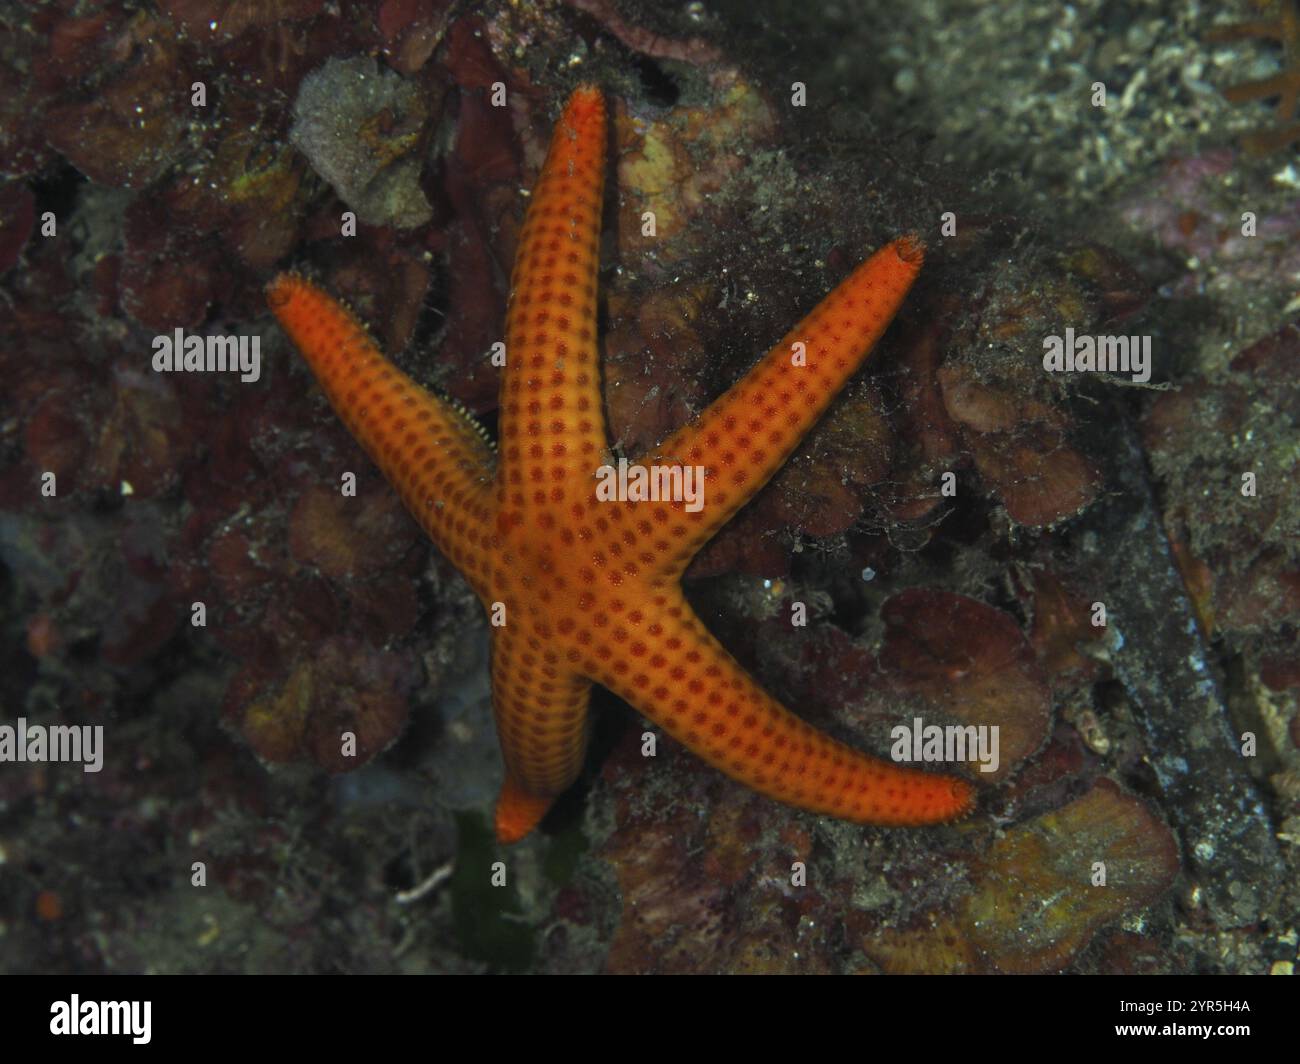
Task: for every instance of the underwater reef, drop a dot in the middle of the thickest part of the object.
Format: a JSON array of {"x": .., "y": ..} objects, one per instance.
[{"x": 299, "y": 760}]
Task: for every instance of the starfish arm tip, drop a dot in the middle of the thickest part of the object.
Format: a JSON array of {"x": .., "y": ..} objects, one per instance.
[
  {"x": 911, "y": 249},
  {"x": 518, "y": 812},
  {"x": 963, "y": 798},
  {"x": 279, "y": 290},
  {"x": 585, "y": 102}
]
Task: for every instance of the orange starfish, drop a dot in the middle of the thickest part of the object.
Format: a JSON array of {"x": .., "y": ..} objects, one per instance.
[{"x": 583, "y": 590}]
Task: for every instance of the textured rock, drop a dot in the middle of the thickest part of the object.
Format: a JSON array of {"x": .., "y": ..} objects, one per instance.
[{"x": 363, "y": 128}]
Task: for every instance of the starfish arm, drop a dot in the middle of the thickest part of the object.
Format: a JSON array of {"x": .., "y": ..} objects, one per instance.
[
  {"x": 430, "y": 450},
  {"x": 684, "y": 680},
  {"x": 749, "y": 431},
  {"x": 540, "y": 706},
  {"x": 552, "y": 424}
]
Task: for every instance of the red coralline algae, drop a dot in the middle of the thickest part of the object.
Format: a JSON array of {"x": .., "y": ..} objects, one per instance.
[
  {"x": 1004, "y": 925},
  {"x": 1062, "y": 630},
  {"x": 971, "y": 663},
  {"x": 102, "y": 130},
  {"x": 411, "y": 29}
]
